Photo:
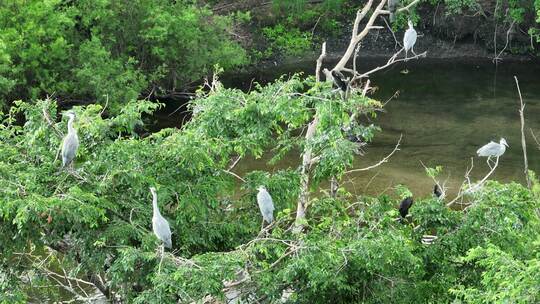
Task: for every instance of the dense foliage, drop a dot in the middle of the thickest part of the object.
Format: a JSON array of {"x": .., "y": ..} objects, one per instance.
[
  {"x": 93, "y": 223},
  {"x": 109, "y": 50}
]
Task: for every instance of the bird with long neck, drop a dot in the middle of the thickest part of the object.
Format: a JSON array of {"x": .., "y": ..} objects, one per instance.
[
  {"x": 409, "y": 39},
  {"x": 71, "y": 142},
  {"x": 160, "y": 226}
]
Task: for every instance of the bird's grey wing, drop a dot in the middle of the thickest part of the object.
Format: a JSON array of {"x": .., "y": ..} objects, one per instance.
[
  {"x": 269, "y": 203},
  {"x": 70, "y": 146},
  {"x": 409, "y": 39},
  {"x": 162, "y": 228},
  {"x": 488, "y": 149}
]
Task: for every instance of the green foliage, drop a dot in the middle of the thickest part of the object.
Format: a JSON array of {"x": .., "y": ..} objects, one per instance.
[
  {"x": 109, "y": 50},
  {"x": 286, "y": 40},
  {"x": 96, "y": 219},
  {"x": 458, "y": 6},
  {"x": 504, "y": 278}
]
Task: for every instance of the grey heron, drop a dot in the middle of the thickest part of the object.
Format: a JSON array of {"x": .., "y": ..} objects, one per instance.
[
  {"x": 266, "y": 205},
  {"x": 409, "y": 39},
  {"x": 404, "y": 206},
  {"x": 160, "y": 226},
  {"x": 70, "y": 143},
  {"x": 493, "y": 149}
]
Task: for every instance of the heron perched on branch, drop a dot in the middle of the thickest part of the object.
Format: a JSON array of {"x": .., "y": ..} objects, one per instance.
[
  {"x": 266, "y": 205},
  {"x": 409, "y": 39},
  {"x": 160, "y": 226},
  {"x": 70, "y": 143},
  {"x": 493, "y": 149}
]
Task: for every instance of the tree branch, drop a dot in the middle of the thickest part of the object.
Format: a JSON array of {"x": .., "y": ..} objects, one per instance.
[
  {"x": 382, "y": 161},
  {"x": 523, "y": 141}
]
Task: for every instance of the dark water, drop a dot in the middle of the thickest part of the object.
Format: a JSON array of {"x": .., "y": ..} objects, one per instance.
[{"x": 446, "y": 110}]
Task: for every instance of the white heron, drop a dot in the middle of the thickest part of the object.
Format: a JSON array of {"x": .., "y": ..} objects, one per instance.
[
  {"x": 266, "y": 205},
  {"x": 409, "y": 39},
  {"x": 70, "y": 143},
  {"x": 493, "y": 149},
  {"x": 159, "y": 223}
]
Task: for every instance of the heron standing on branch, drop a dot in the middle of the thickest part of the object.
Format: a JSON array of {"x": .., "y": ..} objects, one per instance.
[
  {"x": 71, "y": 142},
  {"x": 493, "y": 149},
  {"x": 266, "y": 205},
  {"x": 409, "y": 39},
  {"x": 159, "y": 223}
]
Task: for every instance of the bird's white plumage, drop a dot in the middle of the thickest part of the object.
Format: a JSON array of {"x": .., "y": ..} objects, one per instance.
[
  {"x": 70, "y": 143},
  {"x": 493, "y": 149},
  {"x": 266, "y": 205},
  {"x": 160, "y": 226},
  {"x": 409, "y": 39}
]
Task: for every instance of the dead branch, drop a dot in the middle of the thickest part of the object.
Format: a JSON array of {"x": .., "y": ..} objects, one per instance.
[
  {"x": 498, "y": 58},
  {"x": 442, "y": 187},
  {"x": 49, "y": 121},
  {"x": 473, "y": 187},
  {"x": 234, "y": 163},
  {"x": 523, "y": 141},
  {"x": 390, "y": 61},
  {"x": 535, "y": 139},
  {"x": 467, "y": 180},
  {"x": 235, "y": 175},
  {"x": 303, "y": 196},
  {"x": 320, "y": 61},
  {"x": 382, "y": 161},
  {"x": 393, "y": 34}
]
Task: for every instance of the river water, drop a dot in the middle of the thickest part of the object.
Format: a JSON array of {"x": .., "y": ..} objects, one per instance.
[{"x": 446, "y": 110}]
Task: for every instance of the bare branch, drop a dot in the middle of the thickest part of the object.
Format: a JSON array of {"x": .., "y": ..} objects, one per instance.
[
  {"x": 498, "y": 58},
  {"x": 523, "y": 141},
  {"x": 384, "y": 160},
  {"x": 406, "y": 8},
  {"x": 320, "y": 61},
  {"x": 235, "y": 175},
  {"x": 391, "y": 61},
  {"x": 442, "y": 187}
]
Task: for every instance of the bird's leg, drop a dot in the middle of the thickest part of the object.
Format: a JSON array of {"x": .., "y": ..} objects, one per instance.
[
  {"x": 412, "y": 50},
  {"x": 162, "y": 250},
  {"x": 262, "y": 225},
  {"x": 489, "y": 164}
]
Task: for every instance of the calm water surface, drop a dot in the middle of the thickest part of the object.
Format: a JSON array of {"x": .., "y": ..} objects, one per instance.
[{"x": 445, "y": 110}]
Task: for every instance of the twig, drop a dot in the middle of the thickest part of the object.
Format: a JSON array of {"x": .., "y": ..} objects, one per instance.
[
  {"x": 235, "y": 175},
  {"x": 523, "y": 141},
  {"x": 442, "y": 187},
  {"x": 393, "y": 34},
  {"x": 391, "y": 61},
  {"x": 384, "y": 160},
  {"x": 535, "y": 139},
  {"x": 234, "y": 163},
  {"x": 498, "y": 57},
  {"x": 49, "y": 120},
  {"x": 319, "y": 62}
]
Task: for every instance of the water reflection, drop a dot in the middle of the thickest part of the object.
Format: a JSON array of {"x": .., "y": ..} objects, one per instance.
[{"x": 445, "y": 110}]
